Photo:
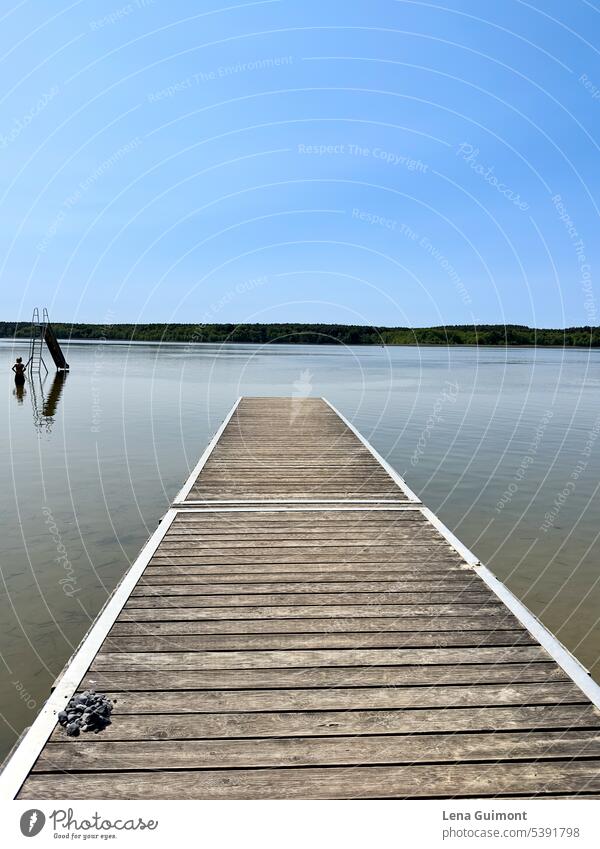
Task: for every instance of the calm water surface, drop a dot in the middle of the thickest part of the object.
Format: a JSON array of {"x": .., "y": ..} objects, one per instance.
[{"x": 503, "y": 445}]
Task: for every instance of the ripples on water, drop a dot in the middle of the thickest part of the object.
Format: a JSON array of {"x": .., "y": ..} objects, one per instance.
[{"x": 488, "y": 439}]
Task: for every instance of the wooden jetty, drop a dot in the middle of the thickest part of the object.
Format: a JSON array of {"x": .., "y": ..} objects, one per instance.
[{"x": 301, "y": 626}]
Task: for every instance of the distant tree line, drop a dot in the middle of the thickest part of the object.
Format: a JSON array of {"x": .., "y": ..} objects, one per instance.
[{"x": 319, "y": 334}]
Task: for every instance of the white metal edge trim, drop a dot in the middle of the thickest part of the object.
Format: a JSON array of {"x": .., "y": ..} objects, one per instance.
[
  {"x": 184, "y": 491},
  {"x": 574, "y": 669},
  {"x": 26, "y": 753},
  {"x": 454, "y": 541},
  {"x": 389, "y": 469},
  {"x": 282, "y": 508}
]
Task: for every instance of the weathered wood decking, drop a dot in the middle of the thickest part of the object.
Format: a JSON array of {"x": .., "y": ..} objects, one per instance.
[
  {"x": 300, "y": 626},
  {"x": 288, "y": 449}
]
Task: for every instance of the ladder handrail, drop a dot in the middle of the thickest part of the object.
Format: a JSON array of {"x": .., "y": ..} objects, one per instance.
[{"x": 36, "y": 358}]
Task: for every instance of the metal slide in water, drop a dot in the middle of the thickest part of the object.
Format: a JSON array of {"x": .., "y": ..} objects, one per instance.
[{"x": 54, "y": 347}]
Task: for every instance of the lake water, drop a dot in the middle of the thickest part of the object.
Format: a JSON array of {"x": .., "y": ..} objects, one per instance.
[{"x": 502, "y": 445}]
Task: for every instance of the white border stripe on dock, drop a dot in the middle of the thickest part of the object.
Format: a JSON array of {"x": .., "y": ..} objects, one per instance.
[{"x": 283, "y": 507}]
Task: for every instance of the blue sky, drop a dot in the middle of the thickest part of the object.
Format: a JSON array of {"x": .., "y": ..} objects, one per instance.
[{"x": 397, "y": 163}]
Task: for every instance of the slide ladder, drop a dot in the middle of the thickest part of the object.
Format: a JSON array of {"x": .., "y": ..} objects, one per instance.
[
  {"x": 42, "y": 331},
  {"x": 36, "y": 345}
]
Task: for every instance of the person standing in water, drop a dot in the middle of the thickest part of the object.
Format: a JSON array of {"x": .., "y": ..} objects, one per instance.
[{"x": 19, "y": 370}]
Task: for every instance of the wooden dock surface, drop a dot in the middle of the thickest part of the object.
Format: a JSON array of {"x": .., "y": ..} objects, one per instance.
[
  {"x": 286, "y": 449},
  {"x": 301, "y": 627}
]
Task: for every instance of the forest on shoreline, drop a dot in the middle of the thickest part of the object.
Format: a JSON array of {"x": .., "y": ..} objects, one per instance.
[{"x": 318, "y": 334}]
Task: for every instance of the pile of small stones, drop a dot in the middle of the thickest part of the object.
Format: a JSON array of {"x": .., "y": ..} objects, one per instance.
[{"x": 87, "y": 711}]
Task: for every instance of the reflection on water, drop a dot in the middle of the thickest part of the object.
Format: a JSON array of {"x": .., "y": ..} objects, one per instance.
[
  {"x": 45, "y": 396},
  {"x": 19, "y": 392},
  {"x": 45, "y": 392},
  {"x": 51, "y": 402},
  {"x": 490, "y": 439}
]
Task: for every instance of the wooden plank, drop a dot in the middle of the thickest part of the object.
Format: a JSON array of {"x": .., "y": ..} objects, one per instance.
[
  {"x": 336, "y": 657},
  {"x": 228, "y": 536},
  {"x": 234, "y": 553},
  {"x": 393, "y": 782},
  {"x": 364, "y": 640},
  {"x": 334, "y": 532},
  {"x": 282, "y": 541},
  {"x": 275, "y": 478},
  {"x": 406, "y": 571},
  {"x": 313, "y": 487},
  {"x": 344, "y": 463},
  {"x": 245, "y": 557},
  {"x": 339, "y": 540},
  {"x": 322, "y": 439},
  {"x": 196, "y": 583},
  {"x": 409, "y": 557},
  {"x": 418, "y": 540},
  {"x": 355, "y": 676},
  {"x": 365, "y": 518},
  {"x": 269, "y": 474},
  {"x": 310, "y": 451},
  {"x": 288, "y": 539},
  {"x": 384, "y": 749},
  {"x": 169, "y": 726},
  {"x": 504, "y": 621},
  {"x": 348, "y": 698},
  {"x": 326, "y": 442},
  {"x": 158, "y": 609},
  {"x": 300, "y": 546},
  {"x": 186, "y": 597},
  {"x": 359, "y": 517}
]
